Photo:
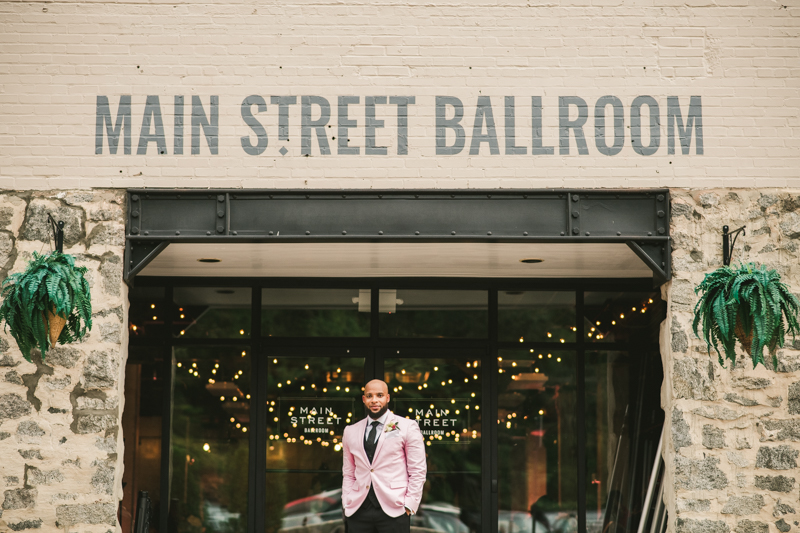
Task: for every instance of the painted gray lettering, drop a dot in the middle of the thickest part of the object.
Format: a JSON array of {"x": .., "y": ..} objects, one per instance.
[
  {"x": 443, "y": 124},
  {"x": 177, "y": 139},
  {"x": 511, "y": 132},
  {"x": 346, "y": 123},
  {"x": 283, "y": 103},
  {"x": 210, "y": 124},
  {"x": 152, "y": 116},
  {"x": 255, "y": 125},
  {"x": 693, "y": 118},
  {"x": 636, "y": 125},
  {"x": 371, "y": 124},
  {"x": 484, "y": 115},
  {"x": 536, "y": 126},
  {"x": 600, "y": 125},
  {"x": 306, "y": 124},
  {"x": 565, "y": 124},
  {"x": 121, "y": 126},
  {"x": 402, "y": 103}
]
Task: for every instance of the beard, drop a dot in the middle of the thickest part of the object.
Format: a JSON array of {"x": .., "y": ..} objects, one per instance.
[{"x": 379, "y": 414}]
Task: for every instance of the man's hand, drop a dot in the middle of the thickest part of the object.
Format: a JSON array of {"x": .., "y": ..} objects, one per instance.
[{"x": 408, "y": 511}]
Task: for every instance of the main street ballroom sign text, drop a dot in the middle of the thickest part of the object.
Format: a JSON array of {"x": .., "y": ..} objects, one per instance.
[{"x": 461, "y": 128}]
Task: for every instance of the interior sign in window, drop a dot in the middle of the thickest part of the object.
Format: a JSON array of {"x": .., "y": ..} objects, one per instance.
[
  {"x": 442, "y": 421},
  {"x": 377, "y": 126},
  {"x": 309, "y": 417}
]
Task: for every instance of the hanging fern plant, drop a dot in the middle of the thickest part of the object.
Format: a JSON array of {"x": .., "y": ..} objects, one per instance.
[
  {"x": 748, "y": 304},
  {"x": 38, "y": 303}
]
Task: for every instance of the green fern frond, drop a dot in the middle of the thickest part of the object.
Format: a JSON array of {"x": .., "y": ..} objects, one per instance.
[
  {"x": 49, "y": 282},
  {"x": 748, "y": 304}
]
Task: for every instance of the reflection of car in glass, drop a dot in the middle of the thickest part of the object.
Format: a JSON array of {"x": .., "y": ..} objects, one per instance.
[
  {"x": 219, "y": 519},
  {"x": 322, "y": 513},
  {"x": 520, "y": 522},
  {"x": 438, "y": 516},
  {"x": 551, "y": 522}
]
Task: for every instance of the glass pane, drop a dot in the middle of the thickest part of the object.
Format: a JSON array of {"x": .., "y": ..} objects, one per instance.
[
  {"x": 212, "y": 312},
  {"x": 315, "y": 312},
  {"x": 304, "y": 502},
  {"x": 310, "y": 402},
  {"x": 444, "y": 395},
  {"x": 141, "y": 430},
  {"x": 537, "y": 442},
  {"x": 623, "y": 426},
  {"x": 210, "y": 440},
  {"x": 438, "y": 314},
  {"x": 547, "y": 316},
  {"x": 622, "y": 316},
  {"x": 146, "y": 314}
]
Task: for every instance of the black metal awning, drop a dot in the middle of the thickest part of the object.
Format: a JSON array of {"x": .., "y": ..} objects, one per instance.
[{"x": 637, "y": 218}]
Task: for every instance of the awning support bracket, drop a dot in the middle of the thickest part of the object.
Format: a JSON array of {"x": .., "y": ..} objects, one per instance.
[
  {"x": 657, "y": 257},
  {"x": 139, "y": 254}
]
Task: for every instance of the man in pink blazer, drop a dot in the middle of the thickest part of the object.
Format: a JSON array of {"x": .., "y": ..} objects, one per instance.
[{"x": 383, "y": 466}]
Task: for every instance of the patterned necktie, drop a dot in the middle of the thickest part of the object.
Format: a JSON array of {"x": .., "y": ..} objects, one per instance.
[{"x": 372, "y": 440}]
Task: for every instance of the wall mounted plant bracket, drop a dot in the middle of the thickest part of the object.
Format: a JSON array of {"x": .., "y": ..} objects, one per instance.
[
  {"x": 58, "y": 233},
  {"x": 727, "y": 244}
]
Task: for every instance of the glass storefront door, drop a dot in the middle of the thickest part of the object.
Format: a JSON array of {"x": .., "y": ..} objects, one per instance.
[
  {"x": 312, "y": 395},
  {"x": 443, "y": 391}
]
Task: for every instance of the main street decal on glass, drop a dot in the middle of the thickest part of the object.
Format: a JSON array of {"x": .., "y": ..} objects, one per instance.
[
  {"x": 312, "y": 417},
  {"x": 441, "y": 422}
]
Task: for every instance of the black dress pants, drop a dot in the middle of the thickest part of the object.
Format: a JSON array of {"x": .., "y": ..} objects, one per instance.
[{"x": 371, "y": 519}]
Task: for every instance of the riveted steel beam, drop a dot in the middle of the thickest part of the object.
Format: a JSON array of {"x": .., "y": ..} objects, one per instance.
[{"x": 259, "y": 216}]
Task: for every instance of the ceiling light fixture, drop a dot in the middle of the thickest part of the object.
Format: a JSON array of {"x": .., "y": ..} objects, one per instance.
[
  {"x": 209, "y": 260},
  {"x": 531, "y": 260}
]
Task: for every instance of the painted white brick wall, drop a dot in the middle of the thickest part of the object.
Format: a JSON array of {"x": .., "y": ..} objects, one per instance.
[{"x": 740, "y": 57}]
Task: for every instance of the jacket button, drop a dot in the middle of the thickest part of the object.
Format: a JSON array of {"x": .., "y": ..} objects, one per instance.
[{"x": 371, "y": 469}]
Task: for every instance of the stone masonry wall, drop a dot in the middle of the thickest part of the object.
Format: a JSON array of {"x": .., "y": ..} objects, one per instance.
[
  {"x": 732, "y": 434},
  {"x": 60, "y": 443}
]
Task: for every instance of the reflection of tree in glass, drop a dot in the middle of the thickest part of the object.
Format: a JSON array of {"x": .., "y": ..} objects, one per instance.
[
  {"x": 314, "y": 323},
  {"x": 535, "y": 324},
  {"x": 533, "y": 416},
  {"x": 454, "y": 462},
  {"x": 464, "y": 324},
  {"x": 209, "y": 453},
  {"x": 307, "y": 383},
  {"x": 214, "y": 323},
  {"x": 276, "y": 499}
]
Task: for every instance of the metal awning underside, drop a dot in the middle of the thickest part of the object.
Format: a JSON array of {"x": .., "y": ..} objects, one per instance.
[{"x": 158, "y": 217}]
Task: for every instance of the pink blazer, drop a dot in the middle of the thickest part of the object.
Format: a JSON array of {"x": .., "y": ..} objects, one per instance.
[{"x": 397, "y": 471}]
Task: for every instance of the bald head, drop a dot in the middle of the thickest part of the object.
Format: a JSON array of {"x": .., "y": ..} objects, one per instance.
[
  {"x": 379, "y": 383},
  {"x": 376, "y": 398}
]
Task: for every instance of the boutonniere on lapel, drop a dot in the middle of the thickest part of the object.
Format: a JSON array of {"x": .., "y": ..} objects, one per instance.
[{"x": 391, "y": 426}]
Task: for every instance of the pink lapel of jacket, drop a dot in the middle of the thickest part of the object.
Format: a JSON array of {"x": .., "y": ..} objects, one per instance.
[{"x": 389, "y": 419}]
